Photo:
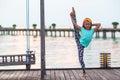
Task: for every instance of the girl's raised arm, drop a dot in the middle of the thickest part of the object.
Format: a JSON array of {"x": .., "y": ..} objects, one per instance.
[{"x": 97, "y": 26}]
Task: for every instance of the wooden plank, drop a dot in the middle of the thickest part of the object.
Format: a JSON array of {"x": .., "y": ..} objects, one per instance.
[
  {"x": 103, "y": 74},
  {"x": 110, "y": 75},
  {"x": 62, "y": 75},
  {"x": 36, "y": 75},
  {"x": 28, "y": 76},
  {"x": 16, "y": 76},
  {"x": 113, "y": 75},
  {"x": 24, "y": 75},
  {"x": 6, "y": 74},
  {"x": 57, "y": 75},
  {"x": 47, "y": 76},
  {"x": 39, "y": 74},
  {"x": 96, "y": 72},
  {"x": 52, "y": 74},
  {"x": 1, "y": 73},
  {"x": 11, "y": 76},
  {"x": 3, "y": 76},
  {"x": 93, "y": 75},
  {"x": 80, "y": 74},
  {"x": 99, "y": 74},
  {"x": 71, "y": 75},
  {"x": 76, "y": 75},
  {"x": 66, "y": 73},
  {"x": 21, "y": 75},
  {"x": 116, "y": 73}
]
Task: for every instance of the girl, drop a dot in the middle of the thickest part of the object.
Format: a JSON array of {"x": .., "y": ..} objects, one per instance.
[{"x": 85, "y": 37}]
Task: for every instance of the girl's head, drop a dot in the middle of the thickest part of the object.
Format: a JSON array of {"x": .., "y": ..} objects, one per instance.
[{"x": 87, "y": 23}]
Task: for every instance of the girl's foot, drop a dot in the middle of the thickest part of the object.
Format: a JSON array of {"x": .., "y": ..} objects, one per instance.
[
  {"x": 73, "y": 10},
  {"x": 84, "y": 75}
]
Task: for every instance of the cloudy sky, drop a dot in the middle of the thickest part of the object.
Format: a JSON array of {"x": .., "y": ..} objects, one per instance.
[{"x": 57, "y": 11}]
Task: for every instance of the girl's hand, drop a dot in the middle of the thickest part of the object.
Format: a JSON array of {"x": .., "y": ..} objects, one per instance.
[{"x": 73, "y": 12}]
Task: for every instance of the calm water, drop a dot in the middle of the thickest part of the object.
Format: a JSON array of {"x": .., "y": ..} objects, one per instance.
[{"x": 61, "y": 52}]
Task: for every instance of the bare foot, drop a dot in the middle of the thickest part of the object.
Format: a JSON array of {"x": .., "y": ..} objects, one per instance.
[
  {"x": 84, "y": 75},
  {"x": 73, "y": 10}
]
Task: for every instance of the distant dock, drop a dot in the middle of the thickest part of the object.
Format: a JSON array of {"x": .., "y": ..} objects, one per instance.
[{"x": 57, "y": 32}]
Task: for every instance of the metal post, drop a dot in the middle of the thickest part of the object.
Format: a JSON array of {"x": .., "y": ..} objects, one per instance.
[
  {"x": 27, "y": 33},
  {"x": 43, "y": 72}
]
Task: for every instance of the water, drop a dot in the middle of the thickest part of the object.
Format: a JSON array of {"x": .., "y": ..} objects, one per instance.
[{"x": 61, "y": 52}]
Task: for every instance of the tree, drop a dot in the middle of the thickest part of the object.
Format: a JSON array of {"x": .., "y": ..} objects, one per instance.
[
  {"x": 53, "y": 25},
  {"x": 115, "y": 24},
  {"x": 34, "y": 26},
  {"x": 14, "y": 26}
]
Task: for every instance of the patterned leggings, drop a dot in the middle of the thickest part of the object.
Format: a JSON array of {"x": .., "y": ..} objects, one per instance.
[{"x": 80, "y": 47}]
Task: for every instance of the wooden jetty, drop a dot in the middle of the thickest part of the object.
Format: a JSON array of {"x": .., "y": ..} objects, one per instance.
[
  {"x": 57, "y": 32},
  {"x": 62, "y": 74}
]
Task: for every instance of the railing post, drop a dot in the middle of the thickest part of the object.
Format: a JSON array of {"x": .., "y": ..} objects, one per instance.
[{"x": 105, "y": 60}]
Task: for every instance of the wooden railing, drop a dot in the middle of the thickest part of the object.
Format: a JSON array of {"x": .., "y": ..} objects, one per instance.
[
  {"x": 57, "y": 32},
  {"x": 21, "y": 59}
]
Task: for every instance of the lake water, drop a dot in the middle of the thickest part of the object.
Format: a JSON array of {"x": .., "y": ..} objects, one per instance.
[{"x": 61, "y": 52}]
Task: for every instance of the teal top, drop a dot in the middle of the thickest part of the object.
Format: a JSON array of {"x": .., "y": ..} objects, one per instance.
[{"x": 86, "y": 36}]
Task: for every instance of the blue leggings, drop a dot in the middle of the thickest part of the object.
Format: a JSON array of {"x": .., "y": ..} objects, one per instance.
[{"x": 79, "y": 46}]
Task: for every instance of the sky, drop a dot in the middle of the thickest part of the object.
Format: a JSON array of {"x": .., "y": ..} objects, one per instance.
[{"x": 57, "y": 11}]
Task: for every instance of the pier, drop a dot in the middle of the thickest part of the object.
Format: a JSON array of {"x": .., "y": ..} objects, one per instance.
[
  {"x": 58, "y": 32},
  {"x": 61, "y": 74}
]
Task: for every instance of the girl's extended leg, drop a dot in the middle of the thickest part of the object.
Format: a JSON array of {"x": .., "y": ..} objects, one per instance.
[
  {"x": 80, "y": 47},
  {"x": 77, "y": 35}
]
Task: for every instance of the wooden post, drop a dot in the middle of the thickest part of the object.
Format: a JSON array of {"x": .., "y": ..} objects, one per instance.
[
  {"x": 97, "y": 35},
  {"x": 36, "y": 33},
  {"x": 64, "y": 33},
  {"x": 68, "y": 33},
  {"x": 60, "y": 33},
  {"x": 55, "y": 33},
  {"x": 51, "y": 33},
  {"x": 43, "y": 72},
  {"x": 104, "y": 34},
  {"x": 113, "y": 34}
]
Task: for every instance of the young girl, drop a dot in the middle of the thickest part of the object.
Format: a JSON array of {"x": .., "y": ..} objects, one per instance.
[{"x": 84, "y": 38}]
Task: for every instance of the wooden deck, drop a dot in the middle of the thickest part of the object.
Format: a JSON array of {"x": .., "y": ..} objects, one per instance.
[{"x": 92, "y": 74}]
